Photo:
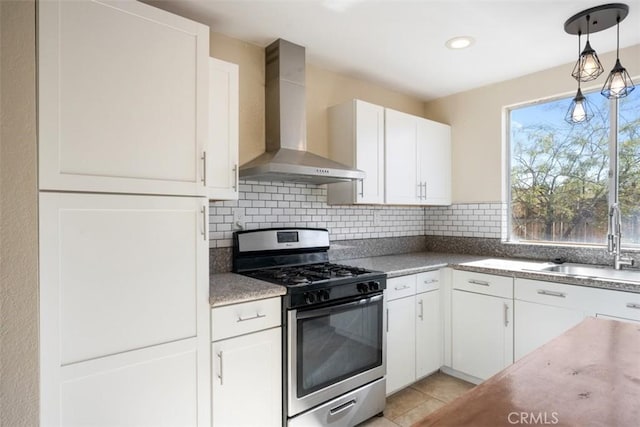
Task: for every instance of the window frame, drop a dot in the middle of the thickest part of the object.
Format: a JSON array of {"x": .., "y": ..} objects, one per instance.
[{"x": 508, "y": 236}]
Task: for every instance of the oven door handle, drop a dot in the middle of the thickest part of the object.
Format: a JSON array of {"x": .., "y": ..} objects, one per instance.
[{"x": 338, "y": 307}]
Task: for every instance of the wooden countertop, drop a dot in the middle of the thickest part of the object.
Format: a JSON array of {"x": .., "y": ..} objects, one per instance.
[{"x": 589, "y": 376}]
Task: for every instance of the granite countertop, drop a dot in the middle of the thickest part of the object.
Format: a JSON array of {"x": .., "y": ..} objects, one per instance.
[
  {"x": 404, "y": 264},
  {"x": 231, "y": 288}
]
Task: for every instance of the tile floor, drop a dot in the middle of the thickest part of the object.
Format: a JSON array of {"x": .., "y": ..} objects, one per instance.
[{"x": 418, "y": 400}]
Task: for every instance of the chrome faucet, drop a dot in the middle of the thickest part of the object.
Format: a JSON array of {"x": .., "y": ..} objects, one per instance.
[{"x": 614, "y": 238}]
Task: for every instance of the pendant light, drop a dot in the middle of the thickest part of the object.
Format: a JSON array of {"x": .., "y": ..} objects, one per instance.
[
  {"x": 588, "y": 66},
  {"x": 580, "y": 110},
  {"x": 619, "y": 83}
]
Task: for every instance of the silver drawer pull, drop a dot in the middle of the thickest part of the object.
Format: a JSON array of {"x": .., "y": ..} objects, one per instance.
[
  {"x": 427, "y": 282},
  {"x": 551, "y": 293},
  {"x": 344, "y": 407},
  {"x": 257, "y": 316},
  {"x": 401, "y": 288},
  {"x": 479, "y": 282},
  {"x": 633, "y": 305}
]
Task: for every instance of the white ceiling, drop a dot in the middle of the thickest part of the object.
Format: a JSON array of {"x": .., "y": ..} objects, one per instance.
[{"x": 400, "y": 43}]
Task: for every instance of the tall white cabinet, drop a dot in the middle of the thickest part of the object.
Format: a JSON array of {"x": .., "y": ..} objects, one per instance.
[{"x": 123, "y": 128}]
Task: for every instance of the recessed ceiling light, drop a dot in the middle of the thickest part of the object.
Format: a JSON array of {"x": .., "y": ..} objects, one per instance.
[{"x": 459, "y": 42}]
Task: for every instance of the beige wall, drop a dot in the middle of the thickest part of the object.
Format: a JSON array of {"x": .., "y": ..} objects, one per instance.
[
  {"x": 324, "y": 89},
  {"x": 476, "y": 118},
  {"x": 18, "y": 216}
]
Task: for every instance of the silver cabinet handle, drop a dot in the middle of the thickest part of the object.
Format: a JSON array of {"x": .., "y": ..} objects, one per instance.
[
  {"x": 479, "y": 282},
  {"x": 633, "y": 305},
  {"x": 506, "y": 315},
  {"x": 427, "y": 282},
  {"x": 220, "y": 371},
  {"x": 341, "y": 408},
  {"x": 361, "y": 193},
  {"x": 551, "y": 293},
  {"x": 421, "y": 315},
  {"x": 401, "y": 288},
  {"x": 203, "y": 211},
  {"x": 235, "y": 177},
  {"x": 387, "y": 320},
  {"x": 425, "y": 190},
  {"x": 204, "y": 167},
  {"x": 244, "y": 319},
  {"x": 419, "y": 190}
]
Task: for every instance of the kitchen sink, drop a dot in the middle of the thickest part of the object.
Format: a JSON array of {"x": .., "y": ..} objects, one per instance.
[{"x": 593, "y": 271}]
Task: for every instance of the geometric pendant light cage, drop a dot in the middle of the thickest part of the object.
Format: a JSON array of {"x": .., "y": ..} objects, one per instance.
[{"x": 588, "y": 66}]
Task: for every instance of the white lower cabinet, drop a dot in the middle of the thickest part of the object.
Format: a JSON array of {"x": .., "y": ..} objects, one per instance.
[
  {"x": 544, "y": 310},
  {"x": 414, "y": 328},
  {"x": 124, "y": 313},
  {"x": 247, "y": 364},
  {"x": 401, "y": 355},
  {"x": 428, "y": 333},
  {"x": 482, "y": 323}
]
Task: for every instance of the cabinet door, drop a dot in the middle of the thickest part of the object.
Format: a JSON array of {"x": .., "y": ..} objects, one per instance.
[
  {"x": 123, "y": 294},
  {"x": 428, "y": 333},
  {"x": 356, "y": 138},
  {"x": 401, "y": 185},
  {"x": 370, "y": 151},
  {"x": 482, "y": 333},
  {"x": 401, "y": 349},
  {"x": 247, "y": 380},
  {"x": 222, "y": 151},
  {"x": 434, "y": 162},
  {"x": 536, "y": 324},
  {"x": 122, "y": 98}
]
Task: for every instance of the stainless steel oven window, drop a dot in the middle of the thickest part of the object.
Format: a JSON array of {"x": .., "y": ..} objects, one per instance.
[{"x": 337, "y": 342}]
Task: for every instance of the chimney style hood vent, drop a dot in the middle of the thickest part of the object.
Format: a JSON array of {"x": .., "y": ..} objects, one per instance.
[{"x": 286, "y": 157}]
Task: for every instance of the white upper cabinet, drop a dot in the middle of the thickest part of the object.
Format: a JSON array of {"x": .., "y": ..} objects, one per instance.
[
  {"x": 356, "y": 138},
  {"x": 418, "y": 160},
  {"x": 434, "y": 162},
  {"x": 401, "y": 166},
  {"x": 222, "y": 152},
  {"x": 123, "y": 93}
]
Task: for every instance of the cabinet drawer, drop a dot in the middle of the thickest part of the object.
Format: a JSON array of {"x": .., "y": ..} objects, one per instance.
[
  {"x": 480, "y": 283},
  {"x": 399, "y": 287},
  {"x": 623, "y": 305},
  {"x": 239, "y": 319},
  {"x": 556, "y": 294},
  {"x": 428, "y": 281}
]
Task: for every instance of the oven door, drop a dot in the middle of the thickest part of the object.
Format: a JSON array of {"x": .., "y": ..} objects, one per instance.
[{"x": 333, "y": 349}]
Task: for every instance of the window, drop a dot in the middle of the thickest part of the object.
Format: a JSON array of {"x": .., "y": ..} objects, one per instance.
[{"x": 559, "y": 172}]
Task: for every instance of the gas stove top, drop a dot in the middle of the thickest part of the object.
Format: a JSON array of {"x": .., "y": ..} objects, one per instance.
[
  {"x": 303, "y": 275},
  {"x": 297, "y": 258}
]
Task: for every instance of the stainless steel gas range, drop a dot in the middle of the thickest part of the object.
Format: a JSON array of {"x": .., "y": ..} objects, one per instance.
[{"x": 334, "y": 357}]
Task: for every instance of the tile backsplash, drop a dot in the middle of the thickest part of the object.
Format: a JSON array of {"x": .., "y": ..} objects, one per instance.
[{"x": 285, "y": 204}]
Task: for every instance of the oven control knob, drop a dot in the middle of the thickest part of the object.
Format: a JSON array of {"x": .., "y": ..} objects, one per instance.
[
  {"x": 374, "y": 286},
  {"x": 309, "y": 298},
  {"x": 363, "y": 288},
  {"x": 323, "y": 295}
]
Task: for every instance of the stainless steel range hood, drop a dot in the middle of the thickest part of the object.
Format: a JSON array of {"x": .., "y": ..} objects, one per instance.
[{"x": 286, "y": 157}]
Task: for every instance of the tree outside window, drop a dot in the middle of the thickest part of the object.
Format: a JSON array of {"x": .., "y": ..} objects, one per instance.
[{"x": 559, "y": 172}]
